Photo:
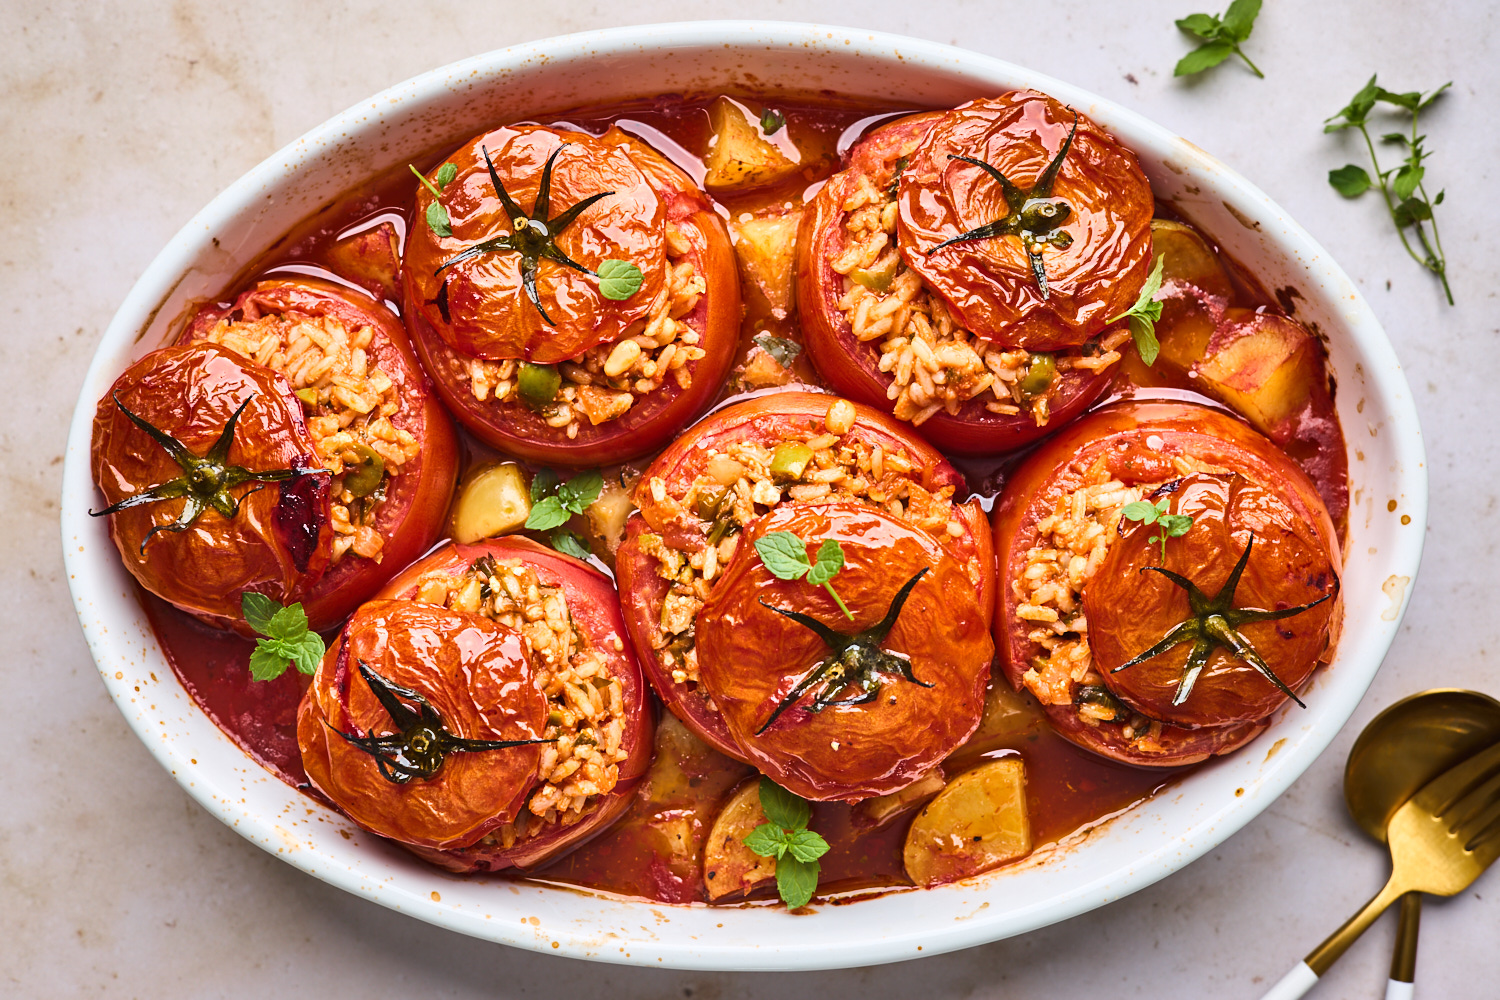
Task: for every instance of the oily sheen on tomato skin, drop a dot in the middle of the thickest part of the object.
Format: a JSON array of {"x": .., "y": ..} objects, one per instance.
[
  {"x": 1137, "y": 442},
  {"x": 280, "y": 541},
  {"x": 516, "y": 429},
  {"x": 1129, "y": 609},
  {"x": 595, "y": 608},
  {"x": 413, "y": 515},
  {"x": 479, "y": 677},
  {"x": 750, "y": 657},
  {"x": 852, "y": 366},
  {"x": 768, "y": 419},
  {"x": 990, "y": 282}
]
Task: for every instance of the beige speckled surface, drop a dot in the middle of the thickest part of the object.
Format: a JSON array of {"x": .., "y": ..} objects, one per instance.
[{"x": 120, "y": 123}]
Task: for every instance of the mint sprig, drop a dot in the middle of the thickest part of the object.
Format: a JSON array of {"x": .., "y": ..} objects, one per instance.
[
  {"x": 553, "y": 502},
  {"x": 437, "y": 215},
  {"x": 1167, "y": 525},
  {"x": 785, "y": 555},
  {"x": 787, "y": 839},
  {"x": 1144, "y": 314},
  {"x": 619, "y": 279},
  {"x": 1221, "y": 37},
  {"x": 772, "y": 121},
  {"x": 286, "y": 639}
]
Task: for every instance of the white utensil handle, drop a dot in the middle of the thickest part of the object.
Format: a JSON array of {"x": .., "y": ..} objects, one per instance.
[
  {"x": 1395, "y": 989},
  {"x": 1293, "y": 984}
]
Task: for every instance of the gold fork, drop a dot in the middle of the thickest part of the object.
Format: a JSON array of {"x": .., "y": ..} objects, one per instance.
[{"x": 1440, "y": 840}]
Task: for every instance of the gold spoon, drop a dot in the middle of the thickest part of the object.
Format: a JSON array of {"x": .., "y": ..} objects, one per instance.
[
  {"x": 1400, "y": 750},
  {"x": 1440, "y": 840}
]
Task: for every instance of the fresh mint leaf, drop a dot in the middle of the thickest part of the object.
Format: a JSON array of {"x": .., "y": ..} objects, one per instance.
[
  {"x": 619, "y": 279},
  {"x": 1407, "y": 179},
  {"x": 781, "y": 350},
  {"x": 1205, "y": 26},
  {"x": 1175, "y": 525},
  {"x": 1411, "y": 212},
  {"x": 1140, "y": 510},
  {"x": 1144, "y": 314},
  {"x": 768, "y": 840},
  {"x": 445, "y": 174},
  {"x": 806, "y": 845},
  {"x": 783, "y": 808},
  {"x": 258, "y": 610},
  {"x": 1221, "y": 37},
  {"x": 287, "y": 623},
  {"x": 784, "y": 554},
  {"x": 577, "y": 493},
  {"x": 543, "y": 484},
  {"x": 1350, "y": 180},
  {"x": 546, "y": 515},
  {"x": 437, "y": 219},
  {"x": 830, "y": 560},
  {"x": 570, "y": 544},
  {"x": 796, "y": 881},
  {"x": 1206, "y": 56},
  {"x": 1239, "y": 19},
  {"x": 772, "y": 122},
  {"x": 268, "y": 660}
]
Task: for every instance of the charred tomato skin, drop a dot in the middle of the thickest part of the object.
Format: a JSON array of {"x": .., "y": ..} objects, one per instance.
[
  {"x": 479, "y": 677},
  {"x": 595, "y": 607},
  {"x": 514, "y": 428},
  {"x": 751, "y": 657},
  {"x": 1130, "y": 608},
  {"x": 1137, "y": 441},
  {"x": 989, "y": 282},
  {"x": 767, "y": 418},
  {"x": 852, "y": 366},
  {"x": 414, "y": 512},
  {"x": 280, "y": 541}
]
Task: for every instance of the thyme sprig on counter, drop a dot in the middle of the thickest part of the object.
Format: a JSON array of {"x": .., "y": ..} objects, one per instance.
[
  {"x": 786, "y": 838},
  {"x": 1401, "y": 186},
  {"x": 1214, "y": 623}
]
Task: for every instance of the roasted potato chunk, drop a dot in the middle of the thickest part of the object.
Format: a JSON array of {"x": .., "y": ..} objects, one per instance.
[
  {"x": 977, "y": 823},
  {"x": 371, "y": 259},
  {"x": 739, "y": 156},
  {"x": 1188, "y": 258},
  {"x": 728, "y": 865},
  {"x": 767, "y": 250},
  {"x": 1263, "y": 365},
  {"x": 493, "y": 501}
]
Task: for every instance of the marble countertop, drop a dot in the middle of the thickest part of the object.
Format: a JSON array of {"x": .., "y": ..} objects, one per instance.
[{"x": 120, "y": 121}]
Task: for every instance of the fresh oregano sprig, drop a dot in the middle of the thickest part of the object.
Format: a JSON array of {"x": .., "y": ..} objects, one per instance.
[
  {"x": 553, "y": 502},
  {"x": 1221, "y": 37},
  {"x": 787, "y": 839},
  {"x": 1167, "y": 525},
  {"x": 785, "y": 555},
  {"x": 285, "y": 637},
  {"x": 1401, "y": 186},
  {"x": 437, "y": 215},
  {"x": 1144, "y": 314}
]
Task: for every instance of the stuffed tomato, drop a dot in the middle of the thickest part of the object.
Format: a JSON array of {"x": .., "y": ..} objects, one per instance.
[
  {"x": 212, "y": 481},
  {"x": 771, "y": 668},
  {"x": 574, "y": 689},
  {"x": 377, "y": 427},
  {"x": 574, "y": 297},
  {"x": 967, "y": 270},
  {"x": 1168, "y": 578}
]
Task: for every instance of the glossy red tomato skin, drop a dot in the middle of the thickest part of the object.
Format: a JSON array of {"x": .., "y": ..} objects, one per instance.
[
  {"x": 595, "y": 607},
  {"x": 751, "y": 657},
  {"x": 1124, "y": 432},
  {"x": 516, "y": 430},
  {"x": 475, "y": 673},
  {"x": 280, "y": 542},
  {"x": 414, "y": 513},
  {"x": 989, "y": 282},
  {"x": 852, "y": 366},
  {"x": 765, "y": 418}
]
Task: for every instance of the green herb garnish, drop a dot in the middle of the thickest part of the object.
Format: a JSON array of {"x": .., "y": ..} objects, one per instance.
[
  {"x": 1167, "y": 525},
  {"x": 784, "y": 352},
  {"x": 421, "y": 743},
  {"x": 1214, "y": 622},
  {"x": 437, "y": 215},
  {"x": 619, "y": 279},
  {"x": 553, "y": 502},
  {"x": 1401, "y": 187},
  {"x": 206, "y": 479},
  {"x": 1144, "y": 314},
  {"x": 853, "y": 661},
  {"x": 787, "y": 839},
  {"x": 1033, "y": 215},
  {"x": 534, "y": 237},
  {"x": 772, "y": 122},
  {"x": 285, "y": 637},
  {"x": 1221, "y": 38},
  {"x": 785, "y": 555}
]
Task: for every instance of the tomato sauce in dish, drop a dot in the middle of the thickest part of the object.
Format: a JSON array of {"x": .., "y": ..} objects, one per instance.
[{"x": 656, "y": 849}]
